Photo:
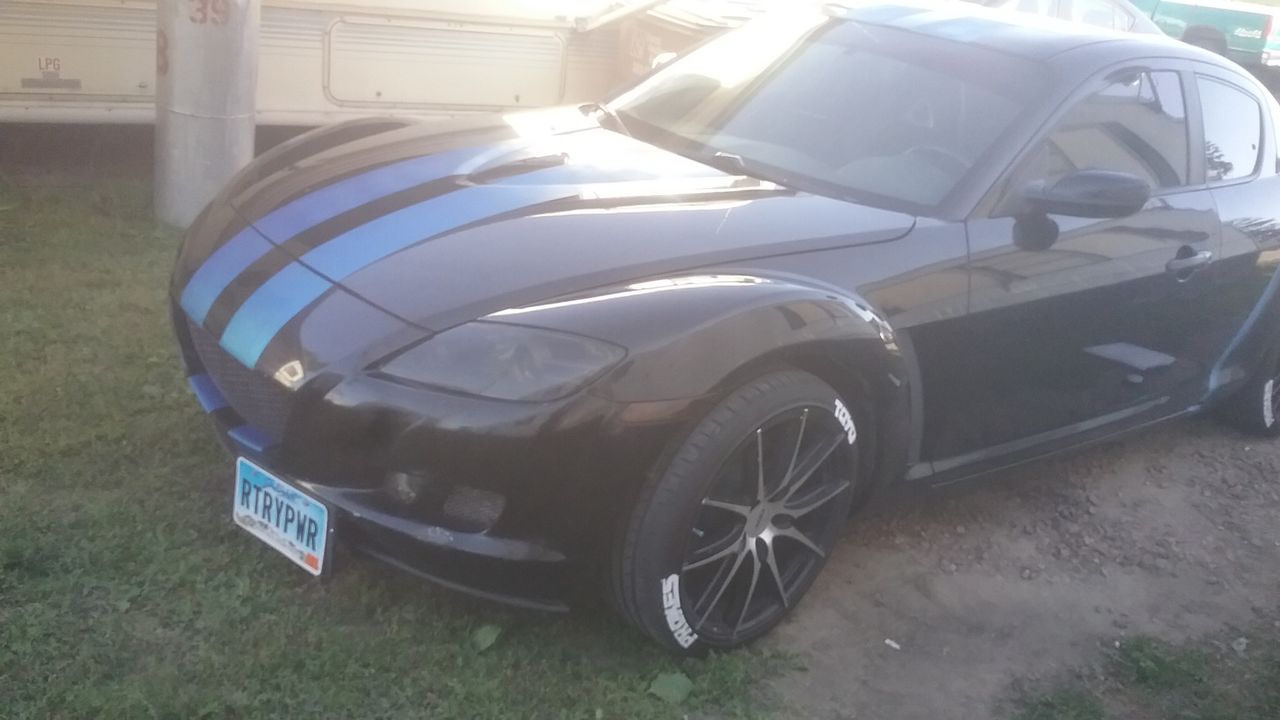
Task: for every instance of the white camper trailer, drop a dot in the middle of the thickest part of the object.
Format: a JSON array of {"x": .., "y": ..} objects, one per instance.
[{"x": 94, "y": 61}]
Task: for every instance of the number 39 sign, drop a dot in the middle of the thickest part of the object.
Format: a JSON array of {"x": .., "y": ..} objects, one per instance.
[
  {"x": 198, "y": 12},
  {"x": 204, "y": 12}
]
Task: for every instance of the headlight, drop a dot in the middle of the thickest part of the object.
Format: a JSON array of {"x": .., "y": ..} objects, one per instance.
[{"x": 507, "y": 362}]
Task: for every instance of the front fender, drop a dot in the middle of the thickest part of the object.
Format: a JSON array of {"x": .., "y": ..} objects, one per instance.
[
  {"x": 686, "y": 334},
  {"x": 693, "y": 337}
]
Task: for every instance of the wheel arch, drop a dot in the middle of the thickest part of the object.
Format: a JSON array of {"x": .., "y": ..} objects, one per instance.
[
  {"x": 695, "y": 338},
  {"x": 864, "y": 376}
]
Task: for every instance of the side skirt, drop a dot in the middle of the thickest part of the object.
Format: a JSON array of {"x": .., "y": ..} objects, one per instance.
[{"x": 1044, "y": 445}]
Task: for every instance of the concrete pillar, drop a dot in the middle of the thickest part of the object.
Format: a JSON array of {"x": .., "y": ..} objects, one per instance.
[{"x": 206, "y": 83}]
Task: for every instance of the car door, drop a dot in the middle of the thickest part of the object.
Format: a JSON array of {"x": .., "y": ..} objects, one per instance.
[
  {"x": 1241, "y": 163},
  {"x": 1079, "y": 326}
]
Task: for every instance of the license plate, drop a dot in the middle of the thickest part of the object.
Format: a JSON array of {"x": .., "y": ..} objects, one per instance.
[{"x": 281, "y": 516}]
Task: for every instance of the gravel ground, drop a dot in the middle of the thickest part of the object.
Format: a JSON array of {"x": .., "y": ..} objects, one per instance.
[{"x": 933, "y": 607}]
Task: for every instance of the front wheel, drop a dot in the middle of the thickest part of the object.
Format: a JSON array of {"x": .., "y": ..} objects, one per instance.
[{"x": 728, "y": 537}]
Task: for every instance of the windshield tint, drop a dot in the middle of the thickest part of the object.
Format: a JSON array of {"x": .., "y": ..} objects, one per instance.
[{"x": 837, "y": 107}]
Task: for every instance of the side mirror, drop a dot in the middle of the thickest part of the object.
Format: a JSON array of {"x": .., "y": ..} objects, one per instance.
[
  {"x": 661, "y": 59},
  {"x": 1088, "y": 194}
]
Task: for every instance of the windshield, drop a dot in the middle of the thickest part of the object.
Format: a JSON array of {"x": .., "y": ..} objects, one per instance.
[{"x": 876, "y": 114}]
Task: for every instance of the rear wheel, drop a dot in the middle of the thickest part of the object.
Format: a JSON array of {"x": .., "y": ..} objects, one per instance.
[
  {"x": 726, "y": 539},
  {"x": 1255, "y": 408}
]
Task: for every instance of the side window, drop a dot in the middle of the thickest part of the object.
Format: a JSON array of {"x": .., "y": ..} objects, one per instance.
[
  {"x": 1232, "y": 130},
  {"x": 1137, "y": 125}
]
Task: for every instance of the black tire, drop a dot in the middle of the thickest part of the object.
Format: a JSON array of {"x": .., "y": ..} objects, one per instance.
[
  {"x": 1206, "y": 37},
  {"x": 1255, "y": 408},
  {"x": 671, "y": 576}
]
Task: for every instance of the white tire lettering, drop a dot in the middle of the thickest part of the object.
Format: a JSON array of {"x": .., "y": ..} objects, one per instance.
[
  {"x": 671, "y": 607},
  {"x": 846, "y": 421},
  {"x": 1268, "y": 390}
]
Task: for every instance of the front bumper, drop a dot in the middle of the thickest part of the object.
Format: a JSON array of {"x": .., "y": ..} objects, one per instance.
[
  {"x": 507, "y": 570},
  {"x": 565, "y": 470}
]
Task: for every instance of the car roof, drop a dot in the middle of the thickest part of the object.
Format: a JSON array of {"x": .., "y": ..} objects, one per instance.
[{"x": 1022, "y": 34}]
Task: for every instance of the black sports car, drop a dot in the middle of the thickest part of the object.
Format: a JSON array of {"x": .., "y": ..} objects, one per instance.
[{"x": 663, "y": 345}]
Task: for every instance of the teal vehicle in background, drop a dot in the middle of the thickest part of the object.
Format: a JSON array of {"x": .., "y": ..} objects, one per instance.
[{"x": 1246, "y": 32}]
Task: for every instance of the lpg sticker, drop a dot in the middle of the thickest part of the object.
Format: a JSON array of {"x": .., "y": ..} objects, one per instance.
[
  {"x": 675, "y": 615},
  {"x": 50, "y": 76},
  {"x": 846, "y": 421}
]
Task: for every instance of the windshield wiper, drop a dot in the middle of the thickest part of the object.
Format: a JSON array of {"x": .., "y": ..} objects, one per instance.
[
  {"x": 614, "y": 119},
  {"x": 729, "y": 162},
  {"x": 735, "y": 164}
]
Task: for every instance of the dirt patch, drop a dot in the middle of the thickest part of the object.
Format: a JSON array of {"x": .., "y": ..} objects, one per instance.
[{"x": 931, "y": 609}]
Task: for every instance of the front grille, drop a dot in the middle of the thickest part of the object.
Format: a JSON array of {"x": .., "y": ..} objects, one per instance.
[{"x": 261, "y": 401}]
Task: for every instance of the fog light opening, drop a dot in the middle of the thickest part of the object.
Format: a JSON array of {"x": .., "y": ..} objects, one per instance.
[{"x": 472, "y": 509}]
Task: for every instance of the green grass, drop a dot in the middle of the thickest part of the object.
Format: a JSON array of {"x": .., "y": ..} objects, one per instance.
[
  {"x": 126, "y": 592},
  {"x": 1148, "y": 663},
  {"x": 1063, "y": 703},
  {"x": 1147, "y": 678}
]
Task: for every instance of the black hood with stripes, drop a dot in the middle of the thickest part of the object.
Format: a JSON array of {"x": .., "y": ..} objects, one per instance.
[{"x": 383, "y": 225}]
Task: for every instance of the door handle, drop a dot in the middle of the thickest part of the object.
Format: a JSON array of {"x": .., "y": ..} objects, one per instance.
[{"x": 1191, "y": 262}]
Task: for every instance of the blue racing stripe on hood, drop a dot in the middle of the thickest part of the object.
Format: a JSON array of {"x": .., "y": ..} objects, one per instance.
[
  {"x": 268, "y": 309},
  {"x": 328, "y": 202},
  {"x": 359, "y": 247},
  {"x": 281, "y": 298},
  {"x": 308, "y": 211},
  {"x": 217, "y": 272}
]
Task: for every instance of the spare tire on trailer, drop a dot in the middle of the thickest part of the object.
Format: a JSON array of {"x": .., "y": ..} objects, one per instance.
[{"x": 1207, "y": 37}]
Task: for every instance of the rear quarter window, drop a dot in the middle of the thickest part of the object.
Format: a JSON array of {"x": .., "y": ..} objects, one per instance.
[{"x": 1232, "y": 130}]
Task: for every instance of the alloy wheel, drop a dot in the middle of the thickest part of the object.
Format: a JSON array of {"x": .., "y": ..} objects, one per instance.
[{"x": 764, "y": 528}]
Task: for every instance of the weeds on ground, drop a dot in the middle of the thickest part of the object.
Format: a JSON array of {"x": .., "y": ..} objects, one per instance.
[{"x": 1233, "y": 678}]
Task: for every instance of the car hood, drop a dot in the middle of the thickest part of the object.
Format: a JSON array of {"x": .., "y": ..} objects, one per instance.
[{"x": 439, "y": 225}]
